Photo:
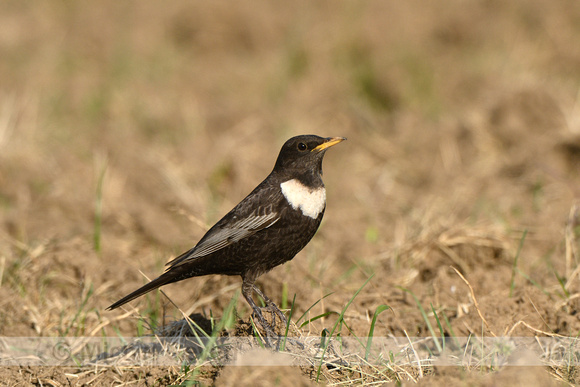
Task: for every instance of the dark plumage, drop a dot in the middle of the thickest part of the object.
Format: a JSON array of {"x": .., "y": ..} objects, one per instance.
[{"x": 266, "y": 229}]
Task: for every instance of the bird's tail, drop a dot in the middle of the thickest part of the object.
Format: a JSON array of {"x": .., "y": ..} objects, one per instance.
[{"x": 164, "y": 279}]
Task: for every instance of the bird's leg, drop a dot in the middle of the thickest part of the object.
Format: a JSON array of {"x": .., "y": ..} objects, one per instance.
[
  {"x": 276, "y": 311},
  {"x": 272, "y": 307},
  {"x": 247, "y": 289}
]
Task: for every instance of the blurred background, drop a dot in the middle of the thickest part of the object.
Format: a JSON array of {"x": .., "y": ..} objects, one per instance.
[{"x": 128, "y": 128}]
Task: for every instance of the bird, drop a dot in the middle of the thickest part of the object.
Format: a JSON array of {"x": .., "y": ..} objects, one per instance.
[{"x": 266, "y": 229}]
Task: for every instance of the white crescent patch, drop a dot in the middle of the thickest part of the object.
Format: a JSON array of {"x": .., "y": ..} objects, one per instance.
[{"x": 310, "y": 201}]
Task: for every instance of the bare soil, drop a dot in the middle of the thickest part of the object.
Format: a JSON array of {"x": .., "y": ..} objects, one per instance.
[{"x": 463, "y": 144}]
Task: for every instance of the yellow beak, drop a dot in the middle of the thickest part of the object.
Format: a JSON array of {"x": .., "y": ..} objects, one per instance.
[{"x": 330, "y": 141}]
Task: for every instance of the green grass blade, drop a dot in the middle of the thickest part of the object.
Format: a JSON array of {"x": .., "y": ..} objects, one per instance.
[
  {"x": 451, "y": 332},
  {"x": 312, "y": 306},
  {"x": 340, "y": 318},
  {"x": 224, "y": 322},
  {"x": 380, "y": 309},
  {"x": 441, "y": 332},
  {"x": 79, "y": 310},
  {"x": 196, "y": 329},
  {"x": 99, "y": 210},
  {"x": 515, "y": 266},
  {"x": 257, "y": 334},
  {"x": 325, "y": 314},
  {"x": 562, "y": 283},
  {"x": 425, "y": 318},
  {"x": 284, "y": 303},
  {"x": 283, "y": 345},
  {"x": 211, "y": 342}
]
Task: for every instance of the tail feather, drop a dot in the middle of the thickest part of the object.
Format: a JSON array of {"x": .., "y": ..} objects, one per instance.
[{"x": 156, "y": 283}]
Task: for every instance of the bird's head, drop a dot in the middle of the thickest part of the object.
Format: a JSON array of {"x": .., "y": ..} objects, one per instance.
[{"x": 303, "y": 154}]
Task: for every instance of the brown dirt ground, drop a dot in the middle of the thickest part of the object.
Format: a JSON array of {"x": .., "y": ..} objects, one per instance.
[{"x": 462, "y": 120}]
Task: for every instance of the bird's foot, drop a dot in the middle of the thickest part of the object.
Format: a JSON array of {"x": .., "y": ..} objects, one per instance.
[
  {"x": 273, "y": 339},
  {"x": 268, "y": 323},
  {"x": 264, "y": 324},
  {"x": 275, "y": 311},
  {"x": 275, "y": 314}
]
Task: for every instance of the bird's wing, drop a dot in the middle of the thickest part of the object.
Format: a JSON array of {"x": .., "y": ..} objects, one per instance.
[{"x": 238, "y": 224}]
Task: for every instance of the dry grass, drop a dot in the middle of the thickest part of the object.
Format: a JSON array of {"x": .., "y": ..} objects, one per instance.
[{"x": 127, "y": 128}]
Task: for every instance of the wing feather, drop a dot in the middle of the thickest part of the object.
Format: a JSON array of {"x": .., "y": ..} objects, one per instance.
[
  {"x": 233, "y": 233},
  {"x": 235, "y": 226}
]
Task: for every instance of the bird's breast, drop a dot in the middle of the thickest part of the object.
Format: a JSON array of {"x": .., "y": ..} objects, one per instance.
[{"x": 311, "y": 201}]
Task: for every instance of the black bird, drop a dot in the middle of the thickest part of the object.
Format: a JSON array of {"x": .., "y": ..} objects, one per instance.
[{"x": 266, "y": 229}]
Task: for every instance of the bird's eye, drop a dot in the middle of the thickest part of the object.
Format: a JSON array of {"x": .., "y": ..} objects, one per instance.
[{"x": 302, "y": 146}]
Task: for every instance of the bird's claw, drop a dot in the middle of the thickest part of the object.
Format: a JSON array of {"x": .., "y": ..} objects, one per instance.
[
  {"x": 275, "y": 311},
  {"x": 270, "y": 328}
]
